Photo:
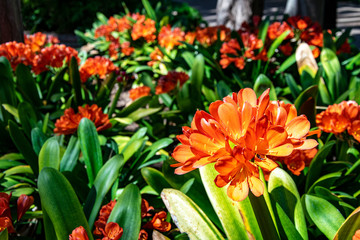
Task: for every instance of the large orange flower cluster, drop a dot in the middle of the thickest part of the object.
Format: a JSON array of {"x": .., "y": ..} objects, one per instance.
[
  {"x": 144, "y": 28},
  {"x": 340, "y": 117},
  {"x": 113, "y": 24},
  {"x": 241, "y": 134},
  {"x": 209, "y": 35},
  {"x": 156, "y": 56},
  {"x": 38, "y": 40},
  {"x": 69, "y": 122},
  {"x": 231, "y": 51},
  {"x": 53, "y": 56},
  {"x": 36, "y": 55},
  {"x": 169, "y": 38},
  {"x": 170, "y": 81},
  {"x": 98, "y": 65}
]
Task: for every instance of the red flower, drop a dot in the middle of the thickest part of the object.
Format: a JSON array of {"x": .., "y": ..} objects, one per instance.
[
  {"x": 112, "y": 231},
  {"x": 69, "y": 122},
  {"x": 79, "y": 233},
  {"x": 138, "y": 92},
  {"x": 144, "y": 28},
  {"x": 5, "y": 214},
  {"x": 126, "y": 49},
  {"x": 23, "y": 204},
  {"x": 170, "y": 81},
  {"x": 104, "y": 214},
  {"x": 158, "y": 222},
  {"x": 276, "y": 29},
  {"x": 17, "y": 53}
]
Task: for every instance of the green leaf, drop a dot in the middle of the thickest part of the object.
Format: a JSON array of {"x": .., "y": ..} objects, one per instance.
[
  {"x": 261, "y": 84},
  {"x": 149, "y": 10},
  {"x": 325, "y": 216},
  {"x": 143, "y": 112},
  {"x": 12, "y": 110},
  {"x": 189, "y": 58},
  {"x": 289, "y": 229},
  {"x": 22, "y": 169},
  {"x": 188, "y": 216},
  {"x": 90, "y": 148},
  {"x": 102, "y": 18},
  {"x": 226, "y": 209},
  {"x": 325, "y": 181},
  {"x": 283, "y": 190},
  {"x": 4, "y": 235},
  {"x": 71, "y": 155},
  {"x": 277, "y": 43},
  {"x": 350, "y": 226},
  {"x": 249, "y": 218},
  {"x": 63, "y": 207},
  {"x": 49, "y": 155},
  {"x": 7, "y": 86},
  {"x": 138, "y": 103},
  {"x": 197, "y": 74},
  {"x": 155, "y": 179},
  {"x": 38, "y": 138},
  {"x": 75, "y": 80},
  {"x": 305, "y": 103},
  {"x": 55, "y": 84},
  {"x": 24, "y": 147},
  {"x": 286, "y": 64},
  {"x": 26, "y": 84},
  {"x": 127, "y": 212},
  {"x": 295, "y": 90},
  {"x": 183, "y": 98},
  {"x": 27, "y": 117},
  {"x": 332, "y": 70},
  {"x": 48, "y": 226},
  {"x": 223, "y": 89},
  {"x": 102, "y": 184},
  {"x": 317, "y": 163}
]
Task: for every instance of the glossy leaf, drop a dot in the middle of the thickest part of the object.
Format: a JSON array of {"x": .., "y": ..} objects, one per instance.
[
  {"x": 261, "y": 84},
  {"x": 90, "y": 148},
  {"x": 127, "y": 212},
  {"x": 188, "y": 216},
  {"x": 24, "y": 146},
  {"x": 197, "y": 74},
  {"x": 277, "y": 43},
  {"x": 27, "y": 117},
  {"x": 143, "y": 112},
  {"x": 149, "y": 10},
  {"x": 225, "y": 208},
  {"x": 63, "y": 207},
  {"x": 71, "y": 155},
  {"x": 325, "y": 216},
  {"x": 138, "y": 103},
  {"x": 291, "y": 60},
  {"x": 283, "y": 191},
  {"x": 26, "y": 84},
  {"x": 155, "y": 179},
  {"x": 49, "y": 155},
  {"x": 332, "y": 70},
  {"x": 102, "y": 185},
  {"x": 350, "y": 226},
  {"x": 38, "y": 139},
  {"x": 75, "y": 80},
  {"x": 317, "y": 163},
  {"x": 305, "y": 103}
]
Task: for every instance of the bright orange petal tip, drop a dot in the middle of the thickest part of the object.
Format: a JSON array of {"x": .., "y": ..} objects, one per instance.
[{"x": 79, "y": 233}]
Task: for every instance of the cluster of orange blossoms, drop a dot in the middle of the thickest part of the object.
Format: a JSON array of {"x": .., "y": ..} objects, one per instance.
[
  {"x": 38, "y": 40},
  {"x": 112, "y": 231},
  {"x": 231, "y": 51},
  {"x": 241, "y": 134},
  {"x": 169, "y": 38},
  {"x": 98, "y": 65},
  {"x": 170, "y": 81},
  {"x": 139, "y": 92},
  {"x": 69, "y": 122},
  {"x": 36, "y": 54},
  {"x": 340, "y": 117},
  {"x": 23, "y": 204},
  {"x": 209, "y": 35}
]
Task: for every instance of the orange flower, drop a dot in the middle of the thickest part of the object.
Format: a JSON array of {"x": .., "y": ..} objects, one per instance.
[
  {"x": 158, "y": 222},
  {"x": 23, "y": 204},
  {"x": 79, "y": 233},
  {"x": 208, "y": 36},
  {"x": 138, "y": 92},
  {"x": 126, "y": 49},
  {"x": 190, "y": 37},
  {"x": 35, "y": 41},
  {"x": 299, "y": 22},
  {"x": 53, "y": 56},
  {"x": 240, "y": 134},
  {"x": 114, "y": 49},
  {"x": 276, "y": 29},
  {"x": 145, "y": 208},
  {"x": 251, "y": 43},
  {"x": 69, "y": 122},
  {"x": 170, "y": 81},
  {"x": 104, "y": 214},
  {"x": 143, "y": 235},
  {"x": 98, "y": 65},
  {"x": 144, "y": 29},
  {"x": 231, "y": 47},
  {"x": 156, "y": 56},
  {"x": 112, "y": 231},
  {"x": 169, "y": 38},
  {"x": 298, "y": 160},
  {"x": 113, "y": 24},
  {"x": 17, "y": 53},
  {"x": 356, "y": 235}
]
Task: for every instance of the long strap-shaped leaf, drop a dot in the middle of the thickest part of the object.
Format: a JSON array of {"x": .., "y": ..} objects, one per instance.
[
  {"x": 225, "y": 208},
  {"x": 284, "y": 191},
  {"x": 127, "y": 212},
  {"x": 90, "y": 148},
  {"x": 188, "y": 216},
  {"x": 102, "y": 184},
  {"x": 49, "y": 155},
  {"x": 61, "y": 203},
  {"x": 350, "y": 226}
]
